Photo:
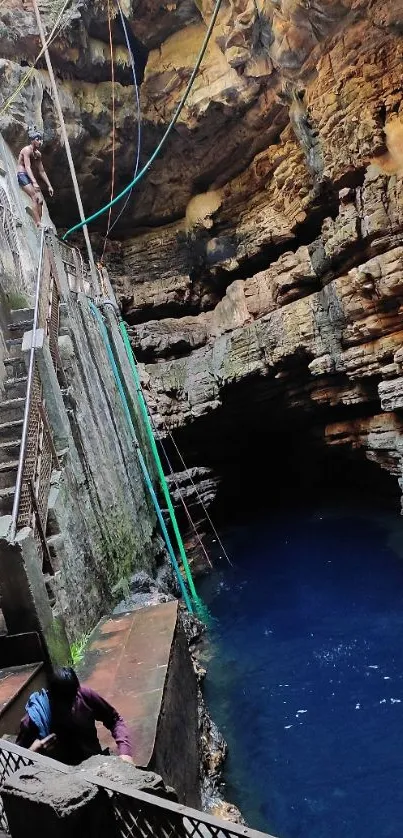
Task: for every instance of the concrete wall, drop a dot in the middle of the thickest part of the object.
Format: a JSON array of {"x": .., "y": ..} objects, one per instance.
[
  {"x": 101, "y": 524},
  {"x": 176, "y": 751}
]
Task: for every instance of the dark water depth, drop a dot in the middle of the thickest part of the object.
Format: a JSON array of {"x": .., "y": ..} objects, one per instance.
[{"x": 305, "y": 673}]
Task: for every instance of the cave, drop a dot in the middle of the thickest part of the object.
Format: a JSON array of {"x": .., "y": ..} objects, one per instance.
[
  {"x": 258, "y": 466},
  {"x": 258, "y": 264}
]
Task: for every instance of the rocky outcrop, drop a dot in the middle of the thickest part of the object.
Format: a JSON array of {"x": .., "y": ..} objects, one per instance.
[{"x": 289, "y": 287}]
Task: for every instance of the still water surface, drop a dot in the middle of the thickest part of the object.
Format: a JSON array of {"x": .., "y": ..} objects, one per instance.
[{"x": 305, "y": 673}]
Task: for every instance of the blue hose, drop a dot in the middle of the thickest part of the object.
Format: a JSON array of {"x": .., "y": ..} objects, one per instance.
[{"x": 142, "y": 462}]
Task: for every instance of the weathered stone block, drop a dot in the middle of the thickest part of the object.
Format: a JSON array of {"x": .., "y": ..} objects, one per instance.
[
  {"x": 115, "y": 770},
  {"x": 50, "y": 803}
]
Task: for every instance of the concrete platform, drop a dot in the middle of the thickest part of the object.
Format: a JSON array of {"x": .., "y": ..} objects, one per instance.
[
  {"x": 140, "y": 662},
  {"x": 16, "y": 685},
  {"x": 127, "y": 663}
]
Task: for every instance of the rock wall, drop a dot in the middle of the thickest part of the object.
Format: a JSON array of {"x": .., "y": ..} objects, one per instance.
[
  {"x": 259, "y": 262},
  {"x": 281, "y": 293}
]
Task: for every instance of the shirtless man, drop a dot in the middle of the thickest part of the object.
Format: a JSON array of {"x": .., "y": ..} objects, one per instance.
[{"x": 30, "y": 159}]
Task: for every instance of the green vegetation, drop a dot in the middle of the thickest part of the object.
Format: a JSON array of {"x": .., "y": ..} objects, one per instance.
[
  {"x": 78, "y": 648},
  {"x": 16, "y": 299},
  {"x": 57, "y": 643},
  {"x": 118, "y": 549}
]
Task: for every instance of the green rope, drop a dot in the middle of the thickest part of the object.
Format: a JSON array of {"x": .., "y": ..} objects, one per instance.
[
  {"x": 157, "y": 459},
  {"x": 174, "y": 119},
  {"x": 126, "y": 409}
]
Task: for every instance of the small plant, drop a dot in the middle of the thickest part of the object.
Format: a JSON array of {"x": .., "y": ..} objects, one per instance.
[
  {"x": 16, "y": 300},
  {"x": 77, "y": 649}
]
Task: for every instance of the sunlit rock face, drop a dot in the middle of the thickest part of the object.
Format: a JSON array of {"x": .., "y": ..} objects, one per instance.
[{"x": 259, "y": 262}]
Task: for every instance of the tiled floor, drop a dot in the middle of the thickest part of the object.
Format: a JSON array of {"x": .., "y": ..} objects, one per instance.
[
  {"x": 127, "y": 663},
  {"x": 12, "y": 681}
]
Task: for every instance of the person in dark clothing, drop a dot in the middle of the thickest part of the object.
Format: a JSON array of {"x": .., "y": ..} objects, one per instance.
[{"x": 61, "y": 721}]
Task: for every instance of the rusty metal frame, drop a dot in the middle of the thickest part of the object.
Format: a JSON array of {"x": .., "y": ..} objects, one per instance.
[
  {"x": 38, "y": 453},
  {"x": 47, "y": 565},
  {"x": 27, "y": 410}
]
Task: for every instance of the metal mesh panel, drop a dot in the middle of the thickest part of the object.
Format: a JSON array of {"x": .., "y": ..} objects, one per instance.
[
  {"x": 38, "y": 464},
  {"x": 53, "y": 324},
  {"x": 39, "y": 452},
  {"x": 25, "y": 517},
  {"x": 44, "y": 474},
  {"x": 136, "y": 819}
]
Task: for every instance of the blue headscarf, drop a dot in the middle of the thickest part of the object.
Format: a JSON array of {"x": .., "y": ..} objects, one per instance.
[{"x": 38, "y": 709}]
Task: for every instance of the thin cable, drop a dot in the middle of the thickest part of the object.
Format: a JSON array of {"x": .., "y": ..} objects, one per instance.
[
  {"x": 31, "y": 70},
  {"x": 198, "y": 495},
  {"x": 157, "y": 458},
  {"x": 133, "y": 64},
  {"x": 113, "y": 127},
  {"x": 174, "y": 119},
  {"x": 192, "y": 523},
  {"x": 202, "y": 504}
]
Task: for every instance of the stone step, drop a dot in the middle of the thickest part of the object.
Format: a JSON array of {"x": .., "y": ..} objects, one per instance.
[
  {"x": 18, "y": 329},
  {"x": 15, "y": 367},
  {"x": 14, "y": 346},
  {"x": 9, "y": 450},
  {"x": 12, "y": 409},
  {"x": 11, "y": 430},
  {"x": 7, "y": 500},
  {"x": 16, "y": 387},
  {"x": 8, "y": 474},
  {"x": 17, "y": 315}
]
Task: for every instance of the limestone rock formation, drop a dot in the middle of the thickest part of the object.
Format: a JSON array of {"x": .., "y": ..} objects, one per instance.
[{"x": 259, "y": 262}]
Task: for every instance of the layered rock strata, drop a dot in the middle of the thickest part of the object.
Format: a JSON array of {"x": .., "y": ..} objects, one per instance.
[{"x": 259, "y": 263}]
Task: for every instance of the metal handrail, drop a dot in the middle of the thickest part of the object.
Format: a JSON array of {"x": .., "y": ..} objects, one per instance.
[
  {"x": 200, "y": 823},
  {"x": 27, "y": 408}
]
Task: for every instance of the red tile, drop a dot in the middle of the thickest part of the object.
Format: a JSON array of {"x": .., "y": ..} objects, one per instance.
[{"x": 127, "y": 663}]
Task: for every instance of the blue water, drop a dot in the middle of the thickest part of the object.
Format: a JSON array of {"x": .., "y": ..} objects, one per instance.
[{"x": 305, "y": 674}]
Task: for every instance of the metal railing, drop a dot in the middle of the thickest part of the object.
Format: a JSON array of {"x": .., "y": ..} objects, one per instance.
[
  {"x": 37, "y": 453},
  {"x": 77, "y": 270},
  {"x": 136, "y": 813}
]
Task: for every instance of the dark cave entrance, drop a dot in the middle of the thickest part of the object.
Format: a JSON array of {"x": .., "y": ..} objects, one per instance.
[{"x": 271, "y": 457}]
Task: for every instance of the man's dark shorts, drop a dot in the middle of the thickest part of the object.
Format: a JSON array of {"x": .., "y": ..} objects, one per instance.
[{"x": 23, "y": 179}]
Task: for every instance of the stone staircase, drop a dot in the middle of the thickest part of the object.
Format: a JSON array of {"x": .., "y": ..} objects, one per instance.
[{"x": 12, "y": 407}]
